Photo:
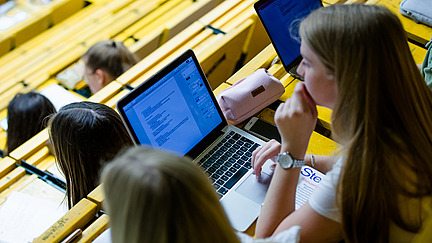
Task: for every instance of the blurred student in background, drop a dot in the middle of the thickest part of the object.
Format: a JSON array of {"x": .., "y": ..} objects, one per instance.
[
  {"x": 85, "y": 136},
  {"x": 104, "y": 62},
  {"x": 26, "y": 115},
  {"x": 156, "y": 196}
]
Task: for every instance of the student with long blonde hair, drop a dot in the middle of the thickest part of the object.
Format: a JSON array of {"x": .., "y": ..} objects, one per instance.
[
  {"x": 156, "y": 196},
  {"x": 356, "y": 61}
]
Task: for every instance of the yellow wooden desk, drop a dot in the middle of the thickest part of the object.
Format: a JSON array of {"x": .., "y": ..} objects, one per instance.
[
  {"x": 163, "y": 28},
  {"x": 95, "y": 229},
  {"x": 116, "y": 89},
  {"x": 79, "y": 216},
  {"x": 29, "y": 148},
  {"x": 194, "y": 33},
  {"x": 40, "y": 19},
  {"x": 7, "y": 164},
  {"x": 197, "y": 44},
  {"x": 418, "y": 53},
  {"x": 13, "y": 176},
  {"x": 216, "y": 55},
  {"x": 417, "y": 32},
  {"x": 46, "y": 62},
  {"x": 65, "y": 31},
  {"x": 97, "y": 196},
  {"x": 40, "y": 69}
]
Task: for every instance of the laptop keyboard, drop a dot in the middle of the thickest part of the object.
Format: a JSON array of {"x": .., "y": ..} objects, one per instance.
[{"x": 228, "y": 161}]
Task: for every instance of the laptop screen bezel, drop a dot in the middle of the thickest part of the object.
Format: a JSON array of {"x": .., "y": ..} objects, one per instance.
[
  {"x": 297, "y": 60},
  {"x": 209, "y": 138}
]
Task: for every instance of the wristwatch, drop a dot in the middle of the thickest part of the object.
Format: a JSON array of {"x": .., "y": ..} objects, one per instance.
[{"x": 286, "y": 161}]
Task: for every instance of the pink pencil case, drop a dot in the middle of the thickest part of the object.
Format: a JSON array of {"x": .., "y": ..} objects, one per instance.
[{"x": 249, "y": 95}]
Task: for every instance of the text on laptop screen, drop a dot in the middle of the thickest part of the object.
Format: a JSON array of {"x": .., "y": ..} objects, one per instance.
[
  {"x": 176, "y": 112},
  {"x": 281, "y": 19}
]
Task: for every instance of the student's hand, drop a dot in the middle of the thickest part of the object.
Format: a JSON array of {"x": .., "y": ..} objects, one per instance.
[
  {"x": 296, "y": 120},
  {"x": 261, "y": 154}
]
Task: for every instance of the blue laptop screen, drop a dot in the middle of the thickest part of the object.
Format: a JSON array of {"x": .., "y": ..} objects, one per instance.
[
  {"x": 176, "y": 112},
  {"x": 281, "y": 19}
]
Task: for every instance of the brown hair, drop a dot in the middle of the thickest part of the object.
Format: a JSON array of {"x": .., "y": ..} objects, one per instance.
[
  {"x": 110, "y": 56},
  {"x": 155, "y": 196},
  {"x": 85, "y": 136},
  {"x": 26, "y": 116},
  {"x": 382, "y": 116}
]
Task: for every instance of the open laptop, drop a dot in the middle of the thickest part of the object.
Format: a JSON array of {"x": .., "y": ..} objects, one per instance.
[
  {"x": 176, "y": 110},
  {"x": 281, "y": 19}
]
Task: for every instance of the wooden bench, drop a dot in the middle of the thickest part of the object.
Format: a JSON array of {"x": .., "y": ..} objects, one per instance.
[
  {"x": 77, "y": 217},
  {"x": 40, "y": 19},
  {"x": 174, "y": 48},
  {"x": 163, "y": 24},
  {"x": 192, "y": 36},
  {"x": 34, "y": 73},
  {"x": 419, "y": 33}
]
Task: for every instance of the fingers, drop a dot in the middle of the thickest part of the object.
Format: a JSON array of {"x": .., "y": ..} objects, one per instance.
[
  {"x": 303, "y": 100},
  {"x": 311, "y": 102},
  {"x": 262, "y": 154},
  {"x": 296, "y": 120}
]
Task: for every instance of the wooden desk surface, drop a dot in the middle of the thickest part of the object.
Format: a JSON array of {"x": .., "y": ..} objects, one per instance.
[
  {"x": 76, "y": 218},
  {"x": 417, "y": 32}
]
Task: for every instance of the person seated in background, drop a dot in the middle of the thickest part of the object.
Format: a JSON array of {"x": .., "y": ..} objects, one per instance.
[
  {"x": 85, "y": 136},
  {"x": 156, "y": 196},
  {"x": 104, "y": 62},
  {"x": 26, "y": 115},
  {"x": 356, "y": 61}
]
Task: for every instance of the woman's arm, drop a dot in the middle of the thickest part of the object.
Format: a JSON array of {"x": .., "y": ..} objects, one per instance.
[
  {"x": 278, "y": 213},
  {"x": 314, "y": 227},
  {"x": 279, "y": 201},
  {"x": 295, "y": 120},
  {"x": 323, "y": 163}
]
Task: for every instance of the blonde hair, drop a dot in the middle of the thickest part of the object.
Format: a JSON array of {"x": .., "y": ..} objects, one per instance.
[
  {"x": 156, "y": 196},
  {"x": 382, "y": 116},
  {"x": 112, "y": 57}
]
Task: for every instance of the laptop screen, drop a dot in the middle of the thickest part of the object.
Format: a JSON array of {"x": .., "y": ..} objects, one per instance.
[
  {"x": 174, "y": 110},
  {"x": 281, "y": 19}
]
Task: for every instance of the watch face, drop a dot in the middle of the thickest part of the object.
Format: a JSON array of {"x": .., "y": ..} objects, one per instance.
[{"x": 285, "y": 161}]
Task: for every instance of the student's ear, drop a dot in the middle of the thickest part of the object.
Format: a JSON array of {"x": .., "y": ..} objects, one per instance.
[{"x": 100, "y": 77}]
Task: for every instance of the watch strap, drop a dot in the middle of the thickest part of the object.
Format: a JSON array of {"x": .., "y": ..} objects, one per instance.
[
  {"x": 295, "y": 162},
  {"x": 298, "y": 163}
]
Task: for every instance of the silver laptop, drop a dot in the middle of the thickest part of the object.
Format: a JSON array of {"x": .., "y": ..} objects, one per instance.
[{"x": 176, "y": 110}]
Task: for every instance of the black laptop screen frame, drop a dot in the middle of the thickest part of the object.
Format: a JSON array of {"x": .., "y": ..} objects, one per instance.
[
  {"x": 209, "y": 138},
  {"x": 297, "y": 60}
]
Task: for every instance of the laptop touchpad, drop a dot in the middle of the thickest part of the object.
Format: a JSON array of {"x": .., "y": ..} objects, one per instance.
[{"x": 255, "y": 189}]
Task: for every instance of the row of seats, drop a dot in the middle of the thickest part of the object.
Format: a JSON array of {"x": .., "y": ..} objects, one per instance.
[
  {"x": 39, "y": 17},
  {"x": 44, "y": 58},
  {"x": 35, "y": 151}
]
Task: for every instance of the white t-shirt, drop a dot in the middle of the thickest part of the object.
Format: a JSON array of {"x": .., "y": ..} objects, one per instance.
[
  {"x": 323, "y": 199},
  {"x": 291, "y": 235},
  {"x": 323, "y": 202}
]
